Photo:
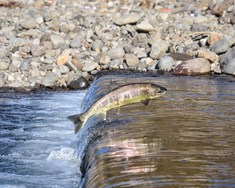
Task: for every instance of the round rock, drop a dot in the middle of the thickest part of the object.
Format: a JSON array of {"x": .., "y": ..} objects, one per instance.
[
  {"x": 165, "y": 63},
  {"x": 127, "y": 19},
  {"x": 197, "y": 66},
  {"x": 229, "y": 68},
  {"x": 221, "y": 46}
]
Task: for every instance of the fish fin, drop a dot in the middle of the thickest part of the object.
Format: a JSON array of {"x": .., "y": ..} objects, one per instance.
[
  {"x": 145, "y": 102},
  {"x": 77, "y": 120}
]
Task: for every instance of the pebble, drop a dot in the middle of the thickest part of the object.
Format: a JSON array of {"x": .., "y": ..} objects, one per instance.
[
  {"x": 116, "y": 53},
  {"x": 62, "y": 59},
  {"x": 197, "y": 66},
  {"x": 165, "y": 63},
  {"x": 89, "y": 66},
  {"x": 145, "y": 26},
  {"x": 28, "y": 24},
  {"x": 76, "y": 43},
  {"x": 158, "y": 49},
  {"x": 50, "y": 79},
  {"x": 37, "y": 50},
  {"x": 127, "y": 19},
  {"x": 57, "y": 41},
  {"x": 4, "y": 65},
  {"x": 78, "y": 64},
  {"x": 221, "y": 46},
  {"x": 131, "y": 60}
]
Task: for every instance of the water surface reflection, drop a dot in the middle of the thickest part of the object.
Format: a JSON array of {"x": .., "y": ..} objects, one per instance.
[{"x": 185, "y": 138}]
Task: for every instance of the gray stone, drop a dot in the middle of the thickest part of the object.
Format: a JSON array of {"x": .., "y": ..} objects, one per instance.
[
  {"x": 97, "y": 45},
  {"x": 227, "y": 57},
  {"x": 158, "y": 49},
  {"x": 116, "y": 53},
  {"x": 37, "y": 50},
  {"x": 165, "y": 63},
  {"x": 25, "y": 65},
  {"x": 28, "y": 24},
  {"x": 17, "y": 42},
  {"x": 50, "y": 79},
  {"x": 3, "y": 51},
  {"x": 89, "y": 66},
  {"x": 63, "y": 69},
  {"x": 221, "y": 46},
  {"x": 4, "y": 65},
  {"x": 127, "y": 19},
  {"x": 131, "y": 60},
  {"x": 13, "y": 68},
  {"x": 57, "y": 41},
  {"x": 76, "y": 43},
  {"x": 78, "y": 83},
  {"x": 197, "y": 66},
  {"x": 144, "y": 26},
  {"x": 229, "y": 68}
]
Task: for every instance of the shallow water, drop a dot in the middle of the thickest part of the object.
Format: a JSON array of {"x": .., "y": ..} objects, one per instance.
[
  {"x": 38, "y": 147},
  {"x": 183, "y": 139}
]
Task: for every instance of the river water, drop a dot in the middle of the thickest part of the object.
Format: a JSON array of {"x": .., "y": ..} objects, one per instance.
[
  {"x": 38, "y": 147},
  {"x": 183, "y": 139}
]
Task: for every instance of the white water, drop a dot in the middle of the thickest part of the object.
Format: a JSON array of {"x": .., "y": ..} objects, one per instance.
[{"x": 38, "y": 147}]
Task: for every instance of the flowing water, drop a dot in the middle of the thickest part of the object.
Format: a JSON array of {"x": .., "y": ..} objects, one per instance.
[
  {"x": 37, "y": 142},
  {"x": 183, "y": 139}
]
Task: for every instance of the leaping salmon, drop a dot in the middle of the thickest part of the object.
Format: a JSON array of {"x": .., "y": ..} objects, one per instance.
[{"x": 121, "y": 96}]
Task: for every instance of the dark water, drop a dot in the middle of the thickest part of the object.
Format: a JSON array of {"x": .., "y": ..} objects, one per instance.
[
  {"x": 38, "y": 147},
  {"x": 184, "y": 139}
]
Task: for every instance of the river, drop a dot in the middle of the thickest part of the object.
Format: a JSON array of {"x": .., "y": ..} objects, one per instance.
[{"x": 183, "y": 139}]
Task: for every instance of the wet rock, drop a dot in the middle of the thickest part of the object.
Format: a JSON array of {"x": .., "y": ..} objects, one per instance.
[
  {"x": 78, "y": 83},
  {"x": 229, "y": 67},
  {"x": 158, "y": 49},
  {"x": 205, "y": 53},
  {"x": 221, "y": 46},
  {"x": 227, "y": 57},
  {"x": 131, "y": 60},
  {"x": 127, "y": 19},
  {"x": 50, "y": 79},
  {"x": 116, "y": 52},
  {"x": 165, "y": 63},
  {"x": 197, "y": 66},
  {"x": 4, "y": 65}
]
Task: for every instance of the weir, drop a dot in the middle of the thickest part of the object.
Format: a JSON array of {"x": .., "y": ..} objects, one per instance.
[{"x": 170, "y": 142}]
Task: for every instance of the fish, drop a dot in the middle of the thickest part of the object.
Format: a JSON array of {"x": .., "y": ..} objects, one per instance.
[{"x": 120, "y": 96}]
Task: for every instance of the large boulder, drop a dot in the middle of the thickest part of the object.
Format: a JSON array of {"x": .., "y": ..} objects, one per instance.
[{"x": 197, "y": 66}]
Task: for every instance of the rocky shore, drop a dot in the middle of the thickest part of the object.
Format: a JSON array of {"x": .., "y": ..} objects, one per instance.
[{"x": 56, "y": 43}]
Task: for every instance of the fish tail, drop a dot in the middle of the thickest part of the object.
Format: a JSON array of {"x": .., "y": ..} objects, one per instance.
[{"x": 77, "y": 120}]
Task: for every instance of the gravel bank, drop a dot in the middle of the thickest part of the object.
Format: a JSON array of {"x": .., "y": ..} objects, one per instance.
[{"x": 61, "y": 43}]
